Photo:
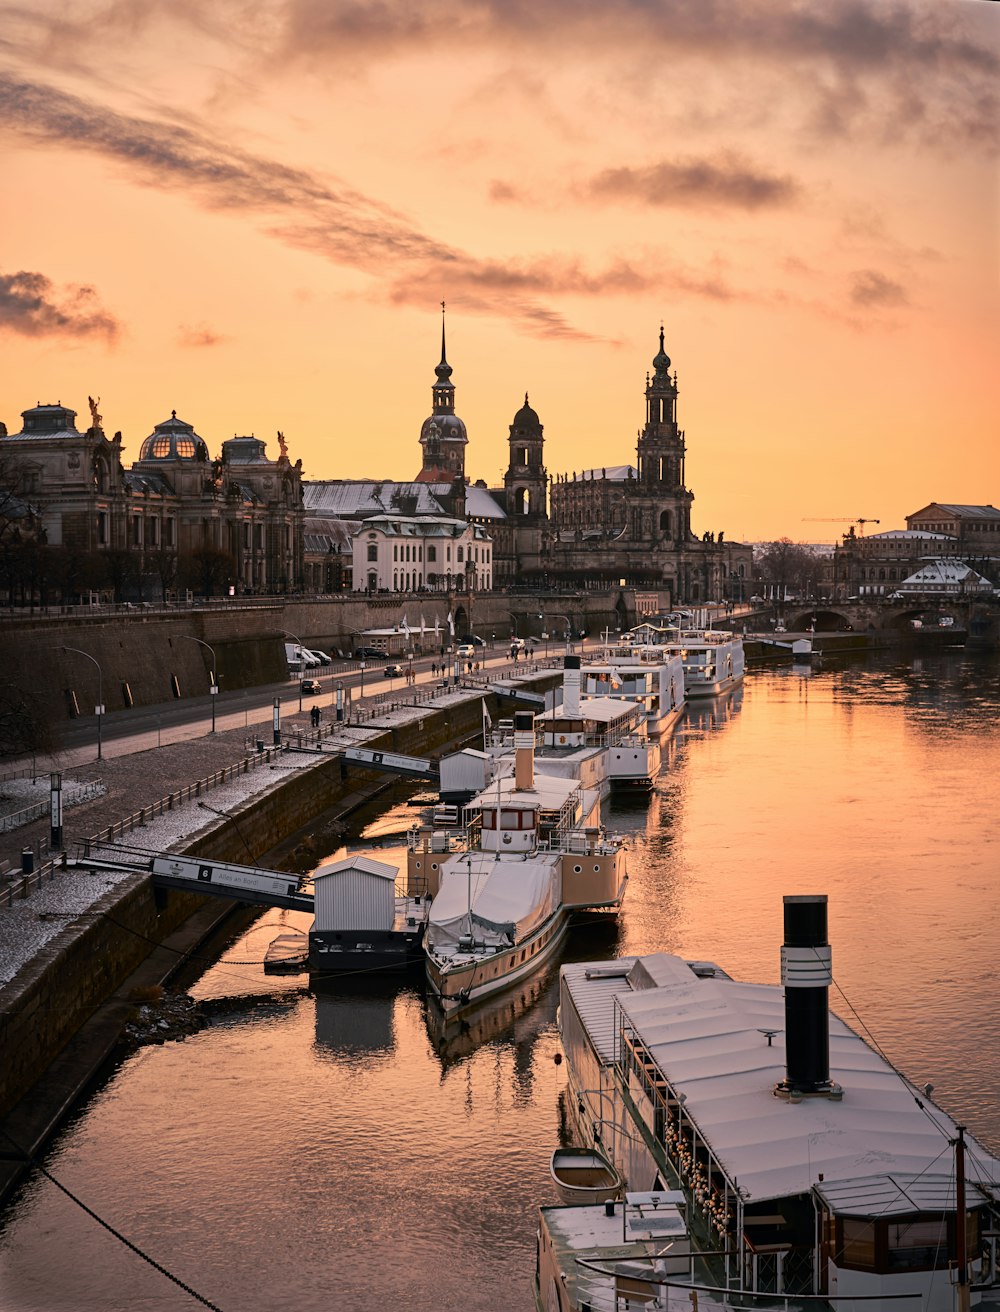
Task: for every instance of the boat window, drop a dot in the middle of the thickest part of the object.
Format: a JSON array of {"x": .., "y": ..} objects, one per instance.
[
  {"x": 489, "y": 819},
  {"x": 858, "y": 1246},
  {"x": 915, "y": 1244},
  {"x": 510, "y": 819}
]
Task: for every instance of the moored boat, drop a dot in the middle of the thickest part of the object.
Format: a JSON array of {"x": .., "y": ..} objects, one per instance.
[
  {"x": 584, "y": 1176},
  {"x": 533, "y": 852},
  {"x": 809, "y": 1168}
]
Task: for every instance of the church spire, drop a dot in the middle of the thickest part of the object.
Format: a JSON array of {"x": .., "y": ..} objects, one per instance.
[{"x": 444, "y": 389}]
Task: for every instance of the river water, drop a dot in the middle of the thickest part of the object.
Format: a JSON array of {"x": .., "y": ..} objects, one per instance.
[{"x": 326, "y": 1152}]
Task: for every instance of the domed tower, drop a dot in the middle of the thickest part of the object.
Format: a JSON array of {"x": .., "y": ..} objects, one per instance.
[
  {"x": 525, "y": 480},
  {"x": 660, "y": 448},
  {"x": 442, "y": 436},
  {"x": 178, "y": 455}
]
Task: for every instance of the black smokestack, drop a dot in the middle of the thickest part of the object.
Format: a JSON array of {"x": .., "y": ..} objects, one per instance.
[{"x": 806, "y": 973}]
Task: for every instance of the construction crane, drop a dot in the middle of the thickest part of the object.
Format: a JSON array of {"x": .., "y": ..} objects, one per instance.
[{"x": 846, "y": 519}]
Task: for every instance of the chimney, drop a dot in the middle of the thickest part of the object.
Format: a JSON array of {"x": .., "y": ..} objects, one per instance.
[
  {"x": 806, "y": 973},
  {"x": 571, "y": 687},
  {"x": 524, "y": 750}
]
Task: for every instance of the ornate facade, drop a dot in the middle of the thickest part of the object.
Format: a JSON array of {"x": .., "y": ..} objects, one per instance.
[{"x": 176, "y": 520}]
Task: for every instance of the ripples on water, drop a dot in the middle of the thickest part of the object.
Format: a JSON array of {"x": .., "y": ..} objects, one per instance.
[{"x": 325, "y": 1152}]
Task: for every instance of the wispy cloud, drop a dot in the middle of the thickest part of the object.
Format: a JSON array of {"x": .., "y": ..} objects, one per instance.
[
  {"x": 197, "y": 336},
  {"x": 871, "y": 289},
  {"x": 889, "y": 65},
  {"x": 723, "y": 181},
  {"x": 32, "y": 306},
  {"x": 334, "y": 222}
]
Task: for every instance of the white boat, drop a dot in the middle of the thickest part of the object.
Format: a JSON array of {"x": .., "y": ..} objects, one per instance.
[
  {"x": 649, "y": 675},
  {"x": 584, "y": 1176},
  {"x": 533, "y": 851},
  {"x": 804, "y": 1164},
  {"x": 713, "y": 661}
]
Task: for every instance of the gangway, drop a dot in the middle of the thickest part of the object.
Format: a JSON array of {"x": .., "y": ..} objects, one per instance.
[
  {"x": 268, "y": 888},
  {"x": 410, "y": 767},
  {"x": 514, "y": 693}
]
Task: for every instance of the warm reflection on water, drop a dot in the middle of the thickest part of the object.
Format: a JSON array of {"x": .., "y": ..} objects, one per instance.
[{"x": 334, "y": 1151}]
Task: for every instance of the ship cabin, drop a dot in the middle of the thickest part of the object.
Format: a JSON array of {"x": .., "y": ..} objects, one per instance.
[{"x": 837, "y": 1185}]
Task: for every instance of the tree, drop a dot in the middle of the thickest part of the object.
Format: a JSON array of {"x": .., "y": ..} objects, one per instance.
[
  {"x": 787, "y": 566},
  {"x": 207, "y": 570}
]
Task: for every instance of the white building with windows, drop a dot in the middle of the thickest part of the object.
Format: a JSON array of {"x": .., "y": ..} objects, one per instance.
[{"x": 403, "y": 553}]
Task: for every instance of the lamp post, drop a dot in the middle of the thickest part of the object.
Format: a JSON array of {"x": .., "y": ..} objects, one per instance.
[
  {"x": 569, "y": 633},
  {"x": 99, "y": 708},
  {"x": 302, "y": 661},
  {"x": 213, "y": 686}
]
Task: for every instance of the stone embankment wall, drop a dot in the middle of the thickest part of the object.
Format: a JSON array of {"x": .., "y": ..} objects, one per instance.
[
  {"x": 47, "y": 1002},
  {"x": 141, "y": 653}
]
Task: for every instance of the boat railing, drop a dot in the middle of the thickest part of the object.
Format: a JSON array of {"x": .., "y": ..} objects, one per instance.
[
  {"x": 436, "y": 840},
  {"x": 608, "y": 1286},
  {"x": 580, "y": 843}
]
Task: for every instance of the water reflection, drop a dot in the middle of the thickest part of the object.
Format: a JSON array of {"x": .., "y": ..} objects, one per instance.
[{"x": 390, "y": 1164}]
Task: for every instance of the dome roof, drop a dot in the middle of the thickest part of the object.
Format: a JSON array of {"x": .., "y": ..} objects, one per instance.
[
  {"x": 443, "y": 428},
  {"x": 661, "y": 361},
  {"x": 526, "y": 417},
  {"x": 174, "y": 440}
]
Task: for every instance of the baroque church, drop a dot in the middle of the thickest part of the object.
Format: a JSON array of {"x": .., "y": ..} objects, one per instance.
[{"x": 621, "y": 525}]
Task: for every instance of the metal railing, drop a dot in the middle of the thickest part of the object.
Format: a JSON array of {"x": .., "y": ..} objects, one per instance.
[{"x": 22, "y": 887}]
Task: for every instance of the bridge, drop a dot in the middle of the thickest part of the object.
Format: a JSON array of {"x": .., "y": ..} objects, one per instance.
[{"x": 976, "y": 618}]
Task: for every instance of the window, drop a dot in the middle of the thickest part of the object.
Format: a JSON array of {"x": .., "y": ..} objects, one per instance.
[
  {"x": 373, "y": 551},
  {"x": 459, "y": 555},
  {"x": 432, "y": 554},
  {"x": 136, "y": 530},
  {"x": 858, "y": 1246}
]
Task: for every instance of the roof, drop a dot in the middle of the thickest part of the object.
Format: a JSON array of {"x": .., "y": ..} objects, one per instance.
[
  {"x": 363, "y": 863},
  {"x": 945, "y": 573},
  {"x": 356, "y": 499},
  {"x": 921, "y": 534},
  {"x": 961, "y": 512},
  {"x": 481, "y": 504},
  {"x": 709, "y": 1039}
]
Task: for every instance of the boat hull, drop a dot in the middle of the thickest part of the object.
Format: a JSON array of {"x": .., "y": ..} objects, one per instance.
[
  {"x": 465, "y": 983},
  {"x": 584, "y": 1176},
  {"x": 383, "y": 950}
]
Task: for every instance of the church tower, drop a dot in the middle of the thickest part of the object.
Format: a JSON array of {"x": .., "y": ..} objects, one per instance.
[
  {"x": 661, "y": 504},
  {"x": 525, "y": 481},
  {"x": 443, "y": 437}
]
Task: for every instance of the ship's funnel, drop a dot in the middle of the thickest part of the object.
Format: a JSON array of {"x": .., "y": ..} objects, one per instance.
[
  {"x": 806, "y": 973},
  {"x": 524, "y": 750},
  {"x": 571, "y": 687}
]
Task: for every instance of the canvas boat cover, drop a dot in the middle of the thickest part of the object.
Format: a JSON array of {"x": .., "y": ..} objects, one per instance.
[{"x": 491, "y": 898}]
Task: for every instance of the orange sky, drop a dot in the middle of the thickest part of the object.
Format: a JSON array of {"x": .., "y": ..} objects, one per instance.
[{"x": 266, "y": 203}]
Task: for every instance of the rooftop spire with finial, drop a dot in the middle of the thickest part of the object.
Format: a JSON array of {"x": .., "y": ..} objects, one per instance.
[
  {"x": 661, "y": 361},
  {"x": 443, "y": 370}
]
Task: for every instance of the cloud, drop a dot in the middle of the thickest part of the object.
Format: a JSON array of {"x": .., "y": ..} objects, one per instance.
[
  {"x": 199, "y": 335},
  {"x": 726, "y": 181},
  {"x": 31, "y": 306},
  {"x": 873, "y": 290},
  {"x": 312, "y": 214},
  {"x": 921, "y": 67}
]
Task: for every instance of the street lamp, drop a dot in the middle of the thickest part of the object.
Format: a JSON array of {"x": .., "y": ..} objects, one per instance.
[
  {"x": 213, "y": 686},
  {"x": 99, "y": 708},
  {"x": 302, "y": 661}
]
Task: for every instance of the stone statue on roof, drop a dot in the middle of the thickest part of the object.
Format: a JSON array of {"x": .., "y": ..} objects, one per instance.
[
  {"x": 282, "y": 446},
  {"x": 96, "y": 420}
]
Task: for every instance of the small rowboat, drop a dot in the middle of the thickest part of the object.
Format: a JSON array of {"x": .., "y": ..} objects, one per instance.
[{"x": 584, "y": 1175}]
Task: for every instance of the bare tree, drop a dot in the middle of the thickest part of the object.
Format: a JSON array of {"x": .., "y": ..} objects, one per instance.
[{"x": 787, "y": 566}]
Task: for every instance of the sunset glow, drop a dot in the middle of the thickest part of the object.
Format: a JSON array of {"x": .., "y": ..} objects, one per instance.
[{"x": 251, "y": 213}]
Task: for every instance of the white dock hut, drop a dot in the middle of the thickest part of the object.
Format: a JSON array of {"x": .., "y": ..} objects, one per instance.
[{"x": 355, "y": 894}]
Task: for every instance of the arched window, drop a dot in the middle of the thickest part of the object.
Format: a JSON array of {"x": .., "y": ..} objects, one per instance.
[
  {"x": 431, "y": 552},
  {"x": 373, "y": 551},
  {"x": 460, "y": 556},
  {"x": 665, "y": 518}
]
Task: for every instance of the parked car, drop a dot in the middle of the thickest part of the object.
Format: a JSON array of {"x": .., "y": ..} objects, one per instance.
[
  {"x": 393, "y": 671},
  {"x": 369, "y": 654},
  {"x": 322, "y": 657},
  {"x": 310, "y": 687}
]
